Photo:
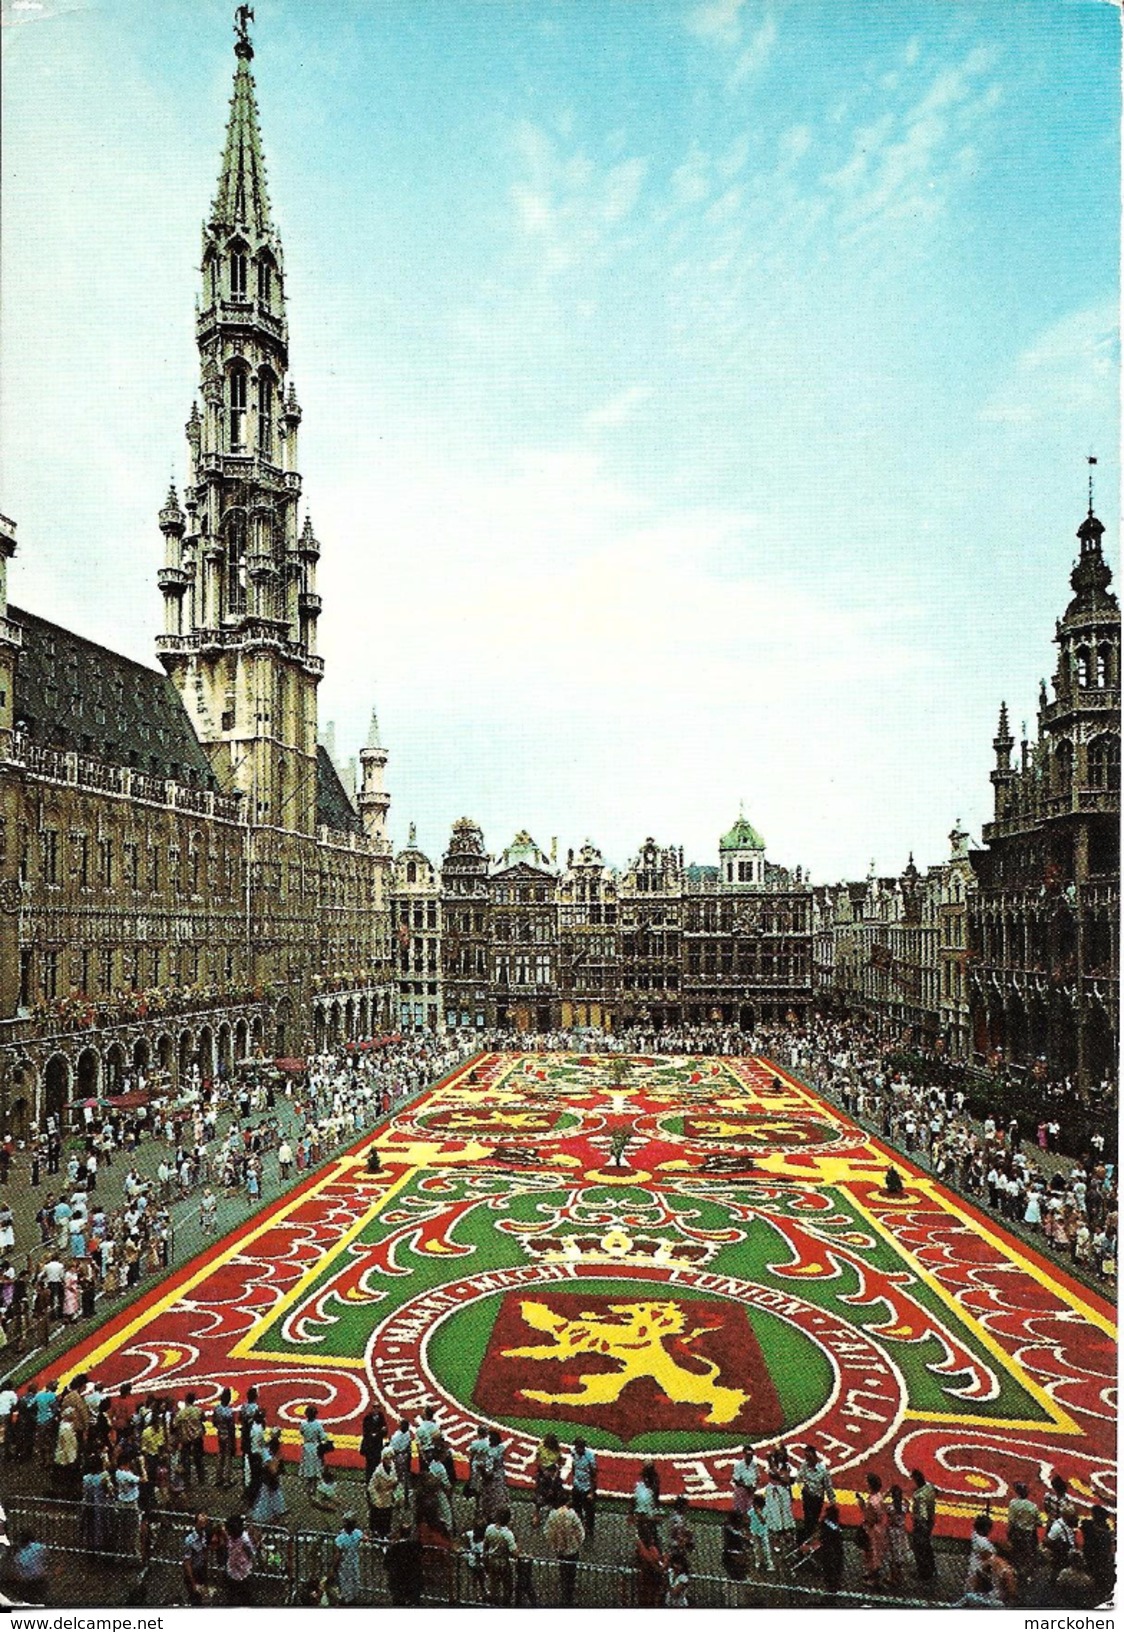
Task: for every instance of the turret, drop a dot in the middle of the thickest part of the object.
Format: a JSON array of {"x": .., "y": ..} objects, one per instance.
[
  {"x": 741, "y": 856},
  {"x": 374, "y": 801},
  {"x": 1002, "y": 777}
]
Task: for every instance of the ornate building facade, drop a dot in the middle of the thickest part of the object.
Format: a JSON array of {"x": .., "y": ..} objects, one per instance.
[
  {"x": 183, "y": 878},
  {"x": 1044, "y": 933},
  {"x": 530, "y": 945}
]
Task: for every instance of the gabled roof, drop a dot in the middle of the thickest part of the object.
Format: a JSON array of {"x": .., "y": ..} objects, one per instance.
[
  {"x": 523, "y": 852},
  {"x": 77, "y": 696},
  {"x": 333, "y": 808}
]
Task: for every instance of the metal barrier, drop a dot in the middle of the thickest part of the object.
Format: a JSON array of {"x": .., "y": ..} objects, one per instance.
[{"x": 101, "y": 1556}]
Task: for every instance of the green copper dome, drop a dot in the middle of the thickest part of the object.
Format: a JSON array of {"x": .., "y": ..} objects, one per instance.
[{"x": 742, "y": 836}]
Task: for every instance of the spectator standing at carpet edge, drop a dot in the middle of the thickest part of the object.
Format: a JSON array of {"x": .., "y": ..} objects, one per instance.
[
  {"x": 197, "y": 1545},
  {"x": 241, "y": 1551},
  {"x": 29, "y": 1568},
  {"x": 1099, "y": 1550},
  {"x": 778, "y": 1510},
  {"x": 678, "y": 1582},
  {"x": 1022, "y": 1530},
  {"x": 223, "y": 1421},
  {"x": 548, "y": 1477},
  {"x": 874, "y": 1528},
  {"x": 923, "y": 1519},
  {"x": 814, "y": 1478},
  {"x": 646, "y": 1496},
  {"x": 313, "y": 1435},
  {"x": 564, "y": 1534},
  {"x": 583, "y": 1483},
  {"x": 345, "y": 1560},
  {"x": 402, "y": 1444},
  {"x": 744, "y": 1480},
  {"x": 760, "y": 1538},
  {"x": 651, "y": 1569},
  {"x": 500, "y": 1554},
  {"x": 382, "y": 1488},
  {"x": 371, "y": 1441}
]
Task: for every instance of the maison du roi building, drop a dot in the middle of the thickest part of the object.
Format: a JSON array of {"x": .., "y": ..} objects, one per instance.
[
  {"x": 183, "y": 878},
  {"x": 1010, "y": 954},
  {"x": 520, "y": 941}
]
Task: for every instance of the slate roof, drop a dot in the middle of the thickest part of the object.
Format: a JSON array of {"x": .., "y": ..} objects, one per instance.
[
  {"x": 333, "y": 808},
  {"x": 77, "y": 696}
]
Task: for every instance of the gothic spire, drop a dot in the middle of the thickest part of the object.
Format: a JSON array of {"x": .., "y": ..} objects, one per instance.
[
  {"x": 374, "y": 740},
  {"x": 242, "y": 199}
]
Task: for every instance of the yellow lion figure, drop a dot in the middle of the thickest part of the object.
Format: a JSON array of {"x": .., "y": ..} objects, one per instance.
[{"x": 635, "y": 1340}]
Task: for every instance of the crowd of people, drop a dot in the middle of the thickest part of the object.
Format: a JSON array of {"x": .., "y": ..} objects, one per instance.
[
  {"x": 1071, "y": 1205},
  {"x": 444, "y": 1525},
  {"x": 132, "y": 1462},
  {"x": 220, "y": 1138}
]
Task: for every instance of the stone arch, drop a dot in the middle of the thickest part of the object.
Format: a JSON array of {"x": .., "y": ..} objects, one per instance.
[
  {"x": 56, "y": 1087},
  {"x": 1063, "y": 765},
  {"x": 205, "y": 1053},
  {"x": 23, "y": 1104},
  {"x": 19, "y": 1117},
  {"x": 1038, "y": 1026},
  {"x": 1016, "y": 1027},
  {"x": 225, "y": 1046},
  {"x": 318, "y": 1033},
  {"x": 1062, "y": 1052},
  {"x": 257, "y": 1031},
  {"x": 996, "y": 1022},
  {"x": 114, "y": 1068},
  {"x": 349, "y": 1021},
  {"x": 88, "y": 1075},
  {"x": 142, "y": 1055},
  {"x": 282, "y": 1027},
  {"x": 165, "y": 1052},
  {"x": 241, "y": 1041},
  {"x": 1101, "y": 1046},
  {"x": 185, "y": 1051}
]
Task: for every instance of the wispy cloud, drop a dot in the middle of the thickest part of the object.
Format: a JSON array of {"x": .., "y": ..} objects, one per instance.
[
  {"x": 566, "y": 203},
  {"x": 900, "y": 164},
  {"x": 739, "y": 31},
  {"x": 618, "y": 410},
  {"x": 1065, "y": 371}
]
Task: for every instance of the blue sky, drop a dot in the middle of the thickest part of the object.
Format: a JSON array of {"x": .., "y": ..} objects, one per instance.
[{"x": 695, "y": 396}]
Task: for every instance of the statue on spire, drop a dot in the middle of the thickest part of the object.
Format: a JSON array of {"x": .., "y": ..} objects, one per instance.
[{"x": 243, "y": 17}]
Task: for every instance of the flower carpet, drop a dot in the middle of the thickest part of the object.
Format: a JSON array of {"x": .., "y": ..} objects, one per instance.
[{"x": 739, "y": 1274}]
